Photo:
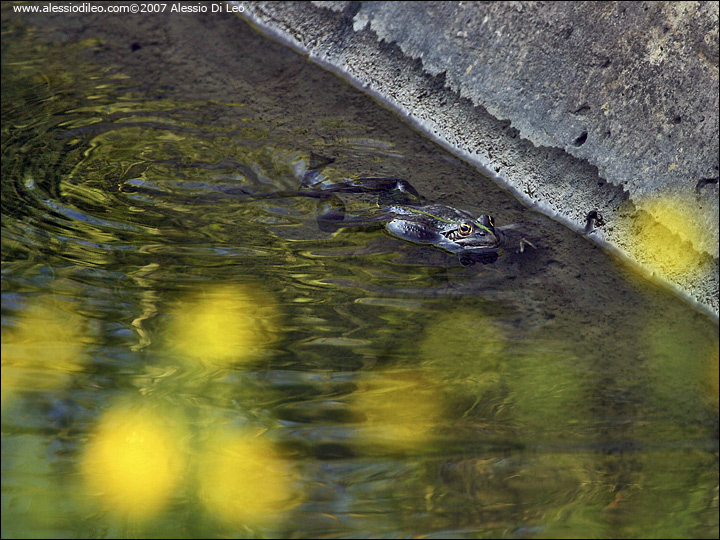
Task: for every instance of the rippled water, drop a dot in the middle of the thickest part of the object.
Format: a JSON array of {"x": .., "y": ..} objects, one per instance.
[{"x": 179, "y": 360}]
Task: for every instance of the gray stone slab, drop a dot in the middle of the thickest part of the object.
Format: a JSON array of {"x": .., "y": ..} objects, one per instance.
[{"x": 572, "y": 106}]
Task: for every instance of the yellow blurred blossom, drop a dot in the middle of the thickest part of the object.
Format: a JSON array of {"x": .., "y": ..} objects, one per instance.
[
  {"x": 224, "y": 325},
  {"x": 244, "y": 480},
  {"x": 133, "y": 462}
]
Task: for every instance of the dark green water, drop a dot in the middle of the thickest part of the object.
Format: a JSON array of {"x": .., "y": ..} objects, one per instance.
[{"x": 178, "y": 362}]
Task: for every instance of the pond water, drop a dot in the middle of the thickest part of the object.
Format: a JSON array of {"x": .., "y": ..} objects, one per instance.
[{"x": 180, "y": 361}]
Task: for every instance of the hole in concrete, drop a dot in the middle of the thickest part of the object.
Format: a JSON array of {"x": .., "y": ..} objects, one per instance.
[
  {"x": 566, "y": 32},
  {"x": 511, "y": 131},
  {"x": 582, "y": 109},
  {"x": 581, "y": 139},
  {"x": 704, "y": 182},
  {"x": 677, "y": 119}
]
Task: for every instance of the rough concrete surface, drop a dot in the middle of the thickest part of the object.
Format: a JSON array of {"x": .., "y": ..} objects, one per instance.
[{"x": 573, "y": 106}]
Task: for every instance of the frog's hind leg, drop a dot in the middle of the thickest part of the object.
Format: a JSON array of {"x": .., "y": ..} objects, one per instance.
[
  {"x": 391, "y": 190},
  {"x": 332, "y": 216}
]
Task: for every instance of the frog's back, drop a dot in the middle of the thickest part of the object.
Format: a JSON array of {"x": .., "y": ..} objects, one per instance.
[{"x": 431, "y": 212}]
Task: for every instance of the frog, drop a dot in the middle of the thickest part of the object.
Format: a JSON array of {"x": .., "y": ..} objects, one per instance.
[
  {"x": 407, "y": 215},
  {"x": 472, "y": 239}
]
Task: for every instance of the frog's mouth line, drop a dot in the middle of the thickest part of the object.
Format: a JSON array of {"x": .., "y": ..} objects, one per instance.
[
  {"x": 488, "y": 248},
  {"x": 460, "y": 241}
]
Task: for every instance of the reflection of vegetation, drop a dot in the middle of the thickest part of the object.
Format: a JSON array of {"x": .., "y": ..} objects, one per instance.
[
  {"x": 466, "y": 347},
  {"x": 651, "y": 507},
  {"x": 463, "y": 337},
  {"x": 548, "y": 494},
  {"x": 535, "y": 385},
  {"x": 44, "y": 348},
  {"x": 37, "y": 506},
  {"x": 549, "y": 401},
  {"x": 399, "y": 408},
  {"x": 711, "y": 377},
  {"x": 562, "y": 493},
  {"x": 683, "y": 368}
]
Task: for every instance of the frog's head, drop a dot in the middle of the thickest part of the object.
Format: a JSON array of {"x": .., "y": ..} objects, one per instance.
[{"x": 474, "y": 235}]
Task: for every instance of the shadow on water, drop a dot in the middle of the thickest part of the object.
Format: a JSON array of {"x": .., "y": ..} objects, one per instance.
[{"x": 180, "y": 361}]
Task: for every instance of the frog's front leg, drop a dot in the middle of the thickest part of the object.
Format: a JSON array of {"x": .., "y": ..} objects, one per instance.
[
  {"x": 509, "y": 234},
  {"x": 468, "y": 259},
  {"x": 330, "y": 213}
]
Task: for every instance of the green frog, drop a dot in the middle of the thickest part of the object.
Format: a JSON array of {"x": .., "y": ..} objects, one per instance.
[
  {"x": 405, "y": 215},
  {"x": 447, "y": 228},
  {"x": 402, "y": 211}
]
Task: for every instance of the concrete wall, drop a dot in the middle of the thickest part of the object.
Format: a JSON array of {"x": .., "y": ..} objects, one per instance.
[{"x": 573, "y": 106}]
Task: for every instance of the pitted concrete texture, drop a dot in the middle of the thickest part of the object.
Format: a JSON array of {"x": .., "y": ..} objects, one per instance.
[{"x": 573, "y": 106}]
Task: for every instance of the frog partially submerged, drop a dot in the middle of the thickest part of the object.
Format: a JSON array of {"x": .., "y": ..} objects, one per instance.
[
  {"x": 405, "y": 215},
  {"x": 401, "y": 210},
  {"x": 445, "y": 227}
]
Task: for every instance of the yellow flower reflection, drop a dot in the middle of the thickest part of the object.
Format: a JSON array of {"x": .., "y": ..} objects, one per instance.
[
  {"x": 398, "y": 409},
  {"x": 666, "y": 239},
  {"x": 44, "y": 348},
  {"x": 133, "y": 461},
  {"x": 244, "y": 480},
  {"x": 224, "y": 325}
]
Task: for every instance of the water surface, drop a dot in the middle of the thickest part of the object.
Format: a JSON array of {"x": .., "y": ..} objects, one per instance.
[{"x": 181, "y": 361}]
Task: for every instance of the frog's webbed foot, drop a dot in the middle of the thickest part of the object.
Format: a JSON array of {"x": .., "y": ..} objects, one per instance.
[
  {"x": 392, "y": 190},
  {"x": 317, "y": 161}
]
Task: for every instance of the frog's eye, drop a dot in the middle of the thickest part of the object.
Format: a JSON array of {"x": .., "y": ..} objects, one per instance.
[
  {"x": 486, "y": 220},
  {"x": 465, "y": 229}
]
